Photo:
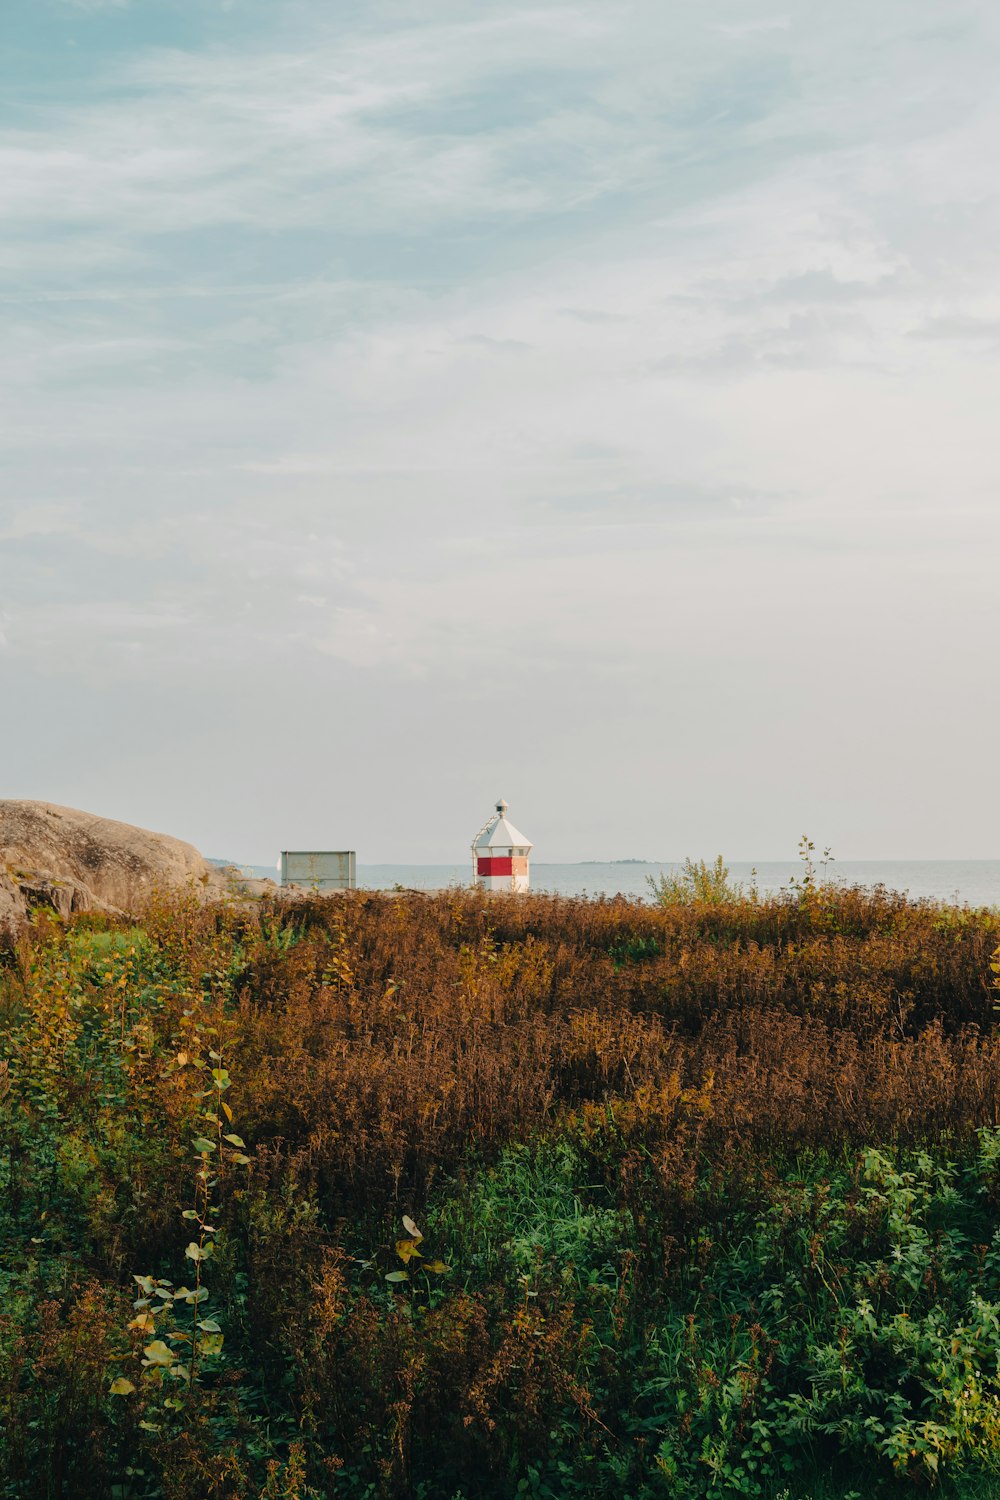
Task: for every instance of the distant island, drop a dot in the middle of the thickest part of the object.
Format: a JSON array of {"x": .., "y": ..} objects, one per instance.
[{"x": 622, "y": 861}]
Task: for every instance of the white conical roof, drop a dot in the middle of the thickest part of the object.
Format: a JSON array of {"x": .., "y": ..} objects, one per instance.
[{"x": 499, "y": 833}]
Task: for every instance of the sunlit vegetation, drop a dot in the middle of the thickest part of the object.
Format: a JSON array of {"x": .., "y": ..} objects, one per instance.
[{"x": 454, "y": 1196}]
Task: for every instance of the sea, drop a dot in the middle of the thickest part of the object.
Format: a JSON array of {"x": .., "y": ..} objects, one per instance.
[{"x": 971, "y": 882}]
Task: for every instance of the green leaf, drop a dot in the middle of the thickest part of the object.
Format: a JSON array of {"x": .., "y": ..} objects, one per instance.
[
  {"x": 235, "y": 1140},
  {"x": 244, "y": 1161},
  {"x": 189, "y": 1213},
  {"x": 398, "y": 1276},
  {"x": 196, "y": 1252},
  {"x": 122, "y": 1387},
  {"x": 209, "y": 1325},
  {"x": 203, "y": 1145}
]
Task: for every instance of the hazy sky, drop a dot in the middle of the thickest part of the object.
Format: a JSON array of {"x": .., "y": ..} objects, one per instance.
[{"x": 590, "y": 403}]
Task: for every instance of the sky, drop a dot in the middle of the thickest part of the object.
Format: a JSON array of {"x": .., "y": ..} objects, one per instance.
[{"x": 593, "y": 404}]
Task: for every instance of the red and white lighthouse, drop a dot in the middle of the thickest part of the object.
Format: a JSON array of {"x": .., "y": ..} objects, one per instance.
[{"x": 500, "y": 854}]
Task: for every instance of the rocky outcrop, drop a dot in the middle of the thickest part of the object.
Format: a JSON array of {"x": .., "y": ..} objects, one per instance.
[{"x": 74, "y": 861}]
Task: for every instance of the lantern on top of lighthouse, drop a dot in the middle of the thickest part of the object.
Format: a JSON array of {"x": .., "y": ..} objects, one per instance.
[{"x": 500, "y": 854}]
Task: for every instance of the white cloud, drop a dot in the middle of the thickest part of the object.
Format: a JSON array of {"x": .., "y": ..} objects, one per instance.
[
  {"x": 737, "y": 30},
  {"x": 518, "y": 347}
]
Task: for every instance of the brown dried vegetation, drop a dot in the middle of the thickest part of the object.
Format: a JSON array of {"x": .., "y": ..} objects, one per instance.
[{"x": 388, "y": 1048}]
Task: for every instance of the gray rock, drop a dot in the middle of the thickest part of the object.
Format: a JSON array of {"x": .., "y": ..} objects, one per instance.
[{"x": 70, "y": 861}]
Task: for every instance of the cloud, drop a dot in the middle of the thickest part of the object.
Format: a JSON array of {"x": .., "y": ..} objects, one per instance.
[
  {"x": 183, "y": 140},
  {"x": 93, "y": 6},
  {"x": 499, "y": 345},
  {"x": 961, "y": 327},
  {"x": 821, "y": 285},
  {"x": 738, "y": 30},
  {"x": 411, "y": 356}
]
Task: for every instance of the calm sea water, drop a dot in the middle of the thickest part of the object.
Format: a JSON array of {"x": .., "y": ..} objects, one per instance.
[
  {"x": 972, "y": 881},
  {"x": 975, "y": 881}
]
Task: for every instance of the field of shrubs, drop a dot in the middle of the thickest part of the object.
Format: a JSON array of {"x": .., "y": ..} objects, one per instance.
[{"x": 393, "y": 1195}]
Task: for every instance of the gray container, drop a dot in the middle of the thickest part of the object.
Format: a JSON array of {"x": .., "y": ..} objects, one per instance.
[{"x": 320, "y": 869}]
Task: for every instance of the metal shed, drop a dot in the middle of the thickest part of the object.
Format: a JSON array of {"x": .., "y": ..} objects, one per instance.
[{"x": 320, "y": 869}]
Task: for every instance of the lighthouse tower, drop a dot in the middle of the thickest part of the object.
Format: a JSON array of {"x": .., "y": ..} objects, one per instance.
[{"x": 500, "y": 854}]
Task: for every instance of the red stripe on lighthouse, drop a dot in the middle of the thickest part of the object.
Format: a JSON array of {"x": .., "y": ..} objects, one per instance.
[{"x": 494, "y": 865}]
